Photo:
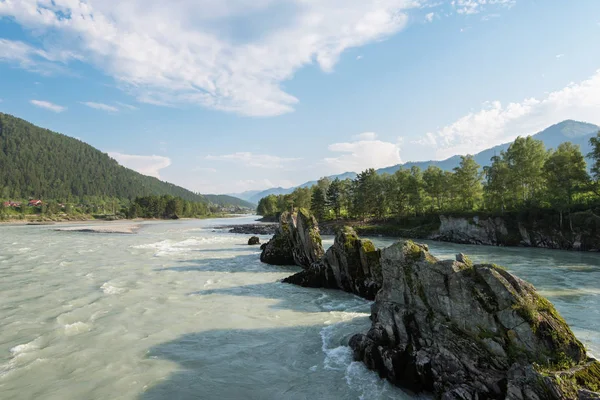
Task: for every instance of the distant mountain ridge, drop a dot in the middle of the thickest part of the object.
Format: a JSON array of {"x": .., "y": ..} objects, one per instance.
[
  {"x": 36, "y": 162},
  {"x": 226, "y": 200},
  {"x": 578, "y": 133}
]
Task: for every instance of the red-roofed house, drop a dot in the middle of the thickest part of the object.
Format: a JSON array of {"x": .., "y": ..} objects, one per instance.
[{"x": 35, "y": 203}]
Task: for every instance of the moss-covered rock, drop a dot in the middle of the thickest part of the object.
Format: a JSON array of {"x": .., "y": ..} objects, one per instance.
[
  {"x": 296, "y": 242},
  {"x": 351, "y": 264},
  {"x": 466, "y": 331}
]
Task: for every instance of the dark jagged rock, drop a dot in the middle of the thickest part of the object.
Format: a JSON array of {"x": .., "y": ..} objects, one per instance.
[
  {"x": 296, "y": 242},
  {"x": 253, "y": 241},
  {"x": 465, "y": 331},
  {"x": 253, "y": 229},
  {"x": 458, "y": 330},
  {"x": 351, "y": 264}
]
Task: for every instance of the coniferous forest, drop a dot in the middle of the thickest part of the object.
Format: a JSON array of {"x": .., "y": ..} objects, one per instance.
[
  {"x": 38, "y": 163},
  {"x": 72, "y": 177}
]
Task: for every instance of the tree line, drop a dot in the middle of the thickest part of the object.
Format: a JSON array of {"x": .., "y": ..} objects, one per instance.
[
  {"x": 524, "y": 176},
  {"x": 166, "y": 207}
]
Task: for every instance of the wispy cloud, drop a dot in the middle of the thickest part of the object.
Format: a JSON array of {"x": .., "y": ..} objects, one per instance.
[
  {"x": 560, "y": 56},
  {"x": 127, "y": 106},
  {"x": 364, "y": 152},
  {"x": 33, "y": 59},
  {"x": 100, "y": 106},
  {"x": 204, "y": 169},
  {"x": 498, "y": 123},
  {"x": 200, "y": 60},
  {"x": 476, "y": 6},
  {"x": 253, "y": 160},
  {"x": 146, "y": 165},
  {"x": 48, "y": 105},
  {"x": 429, "y": 17}
]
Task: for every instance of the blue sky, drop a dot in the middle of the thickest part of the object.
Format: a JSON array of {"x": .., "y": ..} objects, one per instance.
[{"x": 223, "y": 96}]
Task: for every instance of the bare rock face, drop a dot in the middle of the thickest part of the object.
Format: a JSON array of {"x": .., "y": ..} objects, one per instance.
[
  {"x": 465, "y": 331},
  {"x": 296, "y": 242},
  {"x": 351, "y": 264}
]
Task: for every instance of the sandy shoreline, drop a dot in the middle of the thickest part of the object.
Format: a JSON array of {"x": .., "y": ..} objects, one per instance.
[{"x": 120, "y": 228}]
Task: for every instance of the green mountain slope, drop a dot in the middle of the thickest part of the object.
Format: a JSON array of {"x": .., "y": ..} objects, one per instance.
[
  {"x": 36, "y": 162},
  {"x": 226, "y": 200}
]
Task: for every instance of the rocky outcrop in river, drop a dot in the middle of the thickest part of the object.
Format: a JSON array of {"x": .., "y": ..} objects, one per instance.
[
  {"x": 465, "y": 331},
  {"x": 452, "y": 328},
  {"x": 351, "y": 264},
  {"x": 296, "y": 242}
]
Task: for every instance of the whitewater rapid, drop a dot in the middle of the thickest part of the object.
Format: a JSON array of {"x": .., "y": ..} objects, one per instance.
[{"x": 183, "y": 310}]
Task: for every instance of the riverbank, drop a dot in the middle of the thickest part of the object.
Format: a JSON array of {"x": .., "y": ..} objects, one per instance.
[
  {"x": 37, "y": 219},
  {"x": 579, "y": 231}
]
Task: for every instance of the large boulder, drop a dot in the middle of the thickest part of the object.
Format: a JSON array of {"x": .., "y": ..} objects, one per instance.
[
  {"x": 351, "y": 264},
  {"x": 296, "y": 242},
  {"x": 465, "y": 331},
  {"x": 253, "y": 241}
]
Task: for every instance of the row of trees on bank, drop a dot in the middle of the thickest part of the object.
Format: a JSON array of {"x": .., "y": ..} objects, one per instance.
[
  {"x": 526, "y": 175},
  {"x": 166, "y": 207}
]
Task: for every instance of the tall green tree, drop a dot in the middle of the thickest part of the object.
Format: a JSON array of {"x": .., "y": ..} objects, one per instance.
[
  {"x": 414, "y": 188},
  {"x": 365, "y": 188},
  {"x": 565, "y": 173},
  {"x": 335, "y": 197},
  {"x": 318, "y": 204},
  {"x": 525, "y": 158},
  {"x": 399, "y": 195},
  {"x": 497, "y": 183},
  {"x": 435, "y": 186},
  {"x": 594, "y": 156},
  {"x": 469, "y": 189}
]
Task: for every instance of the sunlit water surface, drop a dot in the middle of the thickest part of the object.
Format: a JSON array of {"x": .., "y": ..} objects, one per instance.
[{"x": 184, "y": 311}]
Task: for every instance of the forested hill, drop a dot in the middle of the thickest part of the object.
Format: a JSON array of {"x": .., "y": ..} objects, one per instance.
[
  {"x": 39, "y": 163},
  {"x": 226, "y": 200}
]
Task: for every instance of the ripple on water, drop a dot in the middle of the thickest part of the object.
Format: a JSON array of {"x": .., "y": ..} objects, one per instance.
[
  {"x": 107, "y": 288},
  {"x": 167, "y": 247},
  {"x": 339, "y": 357},
  {"x": 76, "y": 328}
]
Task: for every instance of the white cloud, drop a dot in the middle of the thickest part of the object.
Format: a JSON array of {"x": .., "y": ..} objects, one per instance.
[
  {"x": 146, "y": 165},
  {"x": 253, "y": 160},
  {"x": 204, "y": 169},
  {"x": 360, "y": 57},
  {"x": 48, "y": 105},
  {"x": 100, "y": 106},
  {"x": 127, "y": 106},
  {"x": 225, "y": 55},
  {"x": 429, "y": 17},
  {"x": 33, "y": 59},
  {"x": 560, "y": 55},
  {"x": 365, "y": 136},
  {"x": 476, "y": 6},
  {"x": 497, "y": 123},
  {"x": 365, "y": 152}
]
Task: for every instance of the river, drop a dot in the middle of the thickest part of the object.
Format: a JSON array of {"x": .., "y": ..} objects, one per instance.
[{"x": 183, "y": 311}]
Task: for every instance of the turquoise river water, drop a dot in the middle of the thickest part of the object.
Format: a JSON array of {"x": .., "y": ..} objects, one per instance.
[{"x": 184, "y": 311}]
